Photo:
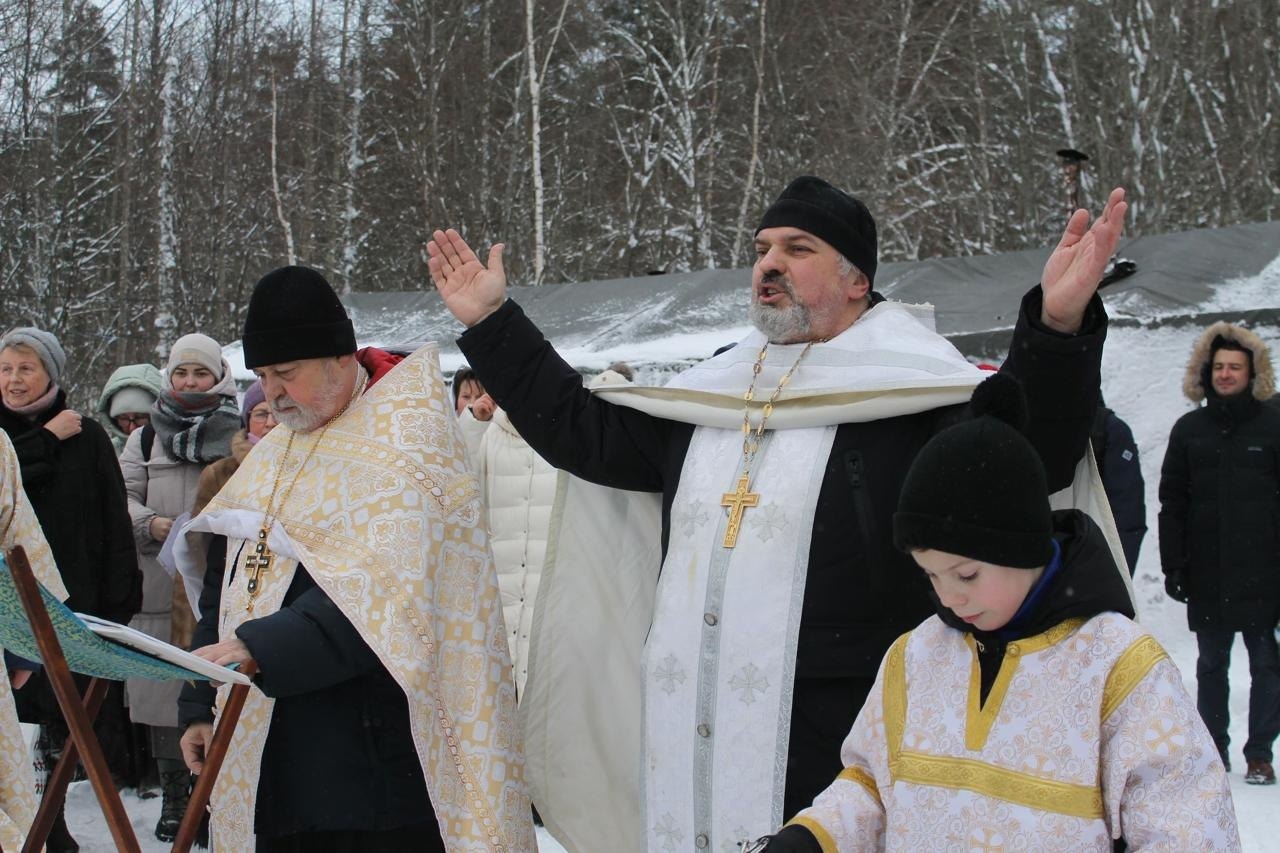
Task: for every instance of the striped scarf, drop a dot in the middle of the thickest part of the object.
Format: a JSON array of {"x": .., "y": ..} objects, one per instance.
[{"x": 197, "y": 426}]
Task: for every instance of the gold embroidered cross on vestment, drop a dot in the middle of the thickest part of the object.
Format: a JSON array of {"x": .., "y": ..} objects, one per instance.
[{"x": 742, "y": 497}]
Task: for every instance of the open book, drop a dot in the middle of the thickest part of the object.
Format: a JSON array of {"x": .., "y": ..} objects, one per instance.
[{"x": 145, "y": 643}]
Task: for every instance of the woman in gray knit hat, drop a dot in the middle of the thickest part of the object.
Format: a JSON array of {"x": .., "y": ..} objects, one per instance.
[
  {"x": 70, "y": 475},
  {"x": 192, "y": 423}
]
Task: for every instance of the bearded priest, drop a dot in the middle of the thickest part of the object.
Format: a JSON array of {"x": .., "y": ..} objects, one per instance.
[
  {"x": 348, "y": 559},
  {"x": 704, "y": 689}
]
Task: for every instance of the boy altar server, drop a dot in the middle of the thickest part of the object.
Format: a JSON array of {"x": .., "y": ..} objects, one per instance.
[{"x": 1031, "y": 712}]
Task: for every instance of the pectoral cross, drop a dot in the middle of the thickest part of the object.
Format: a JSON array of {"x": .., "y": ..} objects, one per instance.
[
  {"x": 737, "y": 501},
  {"x": 256, "y": 563}
]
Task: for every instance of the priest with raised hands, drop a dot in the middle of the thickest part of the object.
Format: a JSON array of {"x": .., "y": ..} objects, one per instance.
[
  {"x": 703, "y": 702},
  {"x": 347, "y": 558}
]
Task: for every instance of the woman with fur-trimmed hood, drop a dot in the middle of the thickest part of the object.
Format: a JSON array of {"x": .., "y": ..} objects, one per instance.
[{"x": 1220, "y": 529}]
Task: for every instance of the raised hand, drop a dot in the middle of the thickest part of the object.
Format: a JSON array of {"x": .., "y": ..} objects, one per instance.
[
  {"x": 1072, "y": 273},
  {"x": 471, "y": 290},
  {"x": 483, "y": 407}
]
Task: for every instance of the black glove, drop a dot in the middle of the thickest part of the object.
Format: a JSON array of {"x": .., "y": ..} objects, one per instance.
[
  {"x": 790, "y": 839},
  {"x": 1173, "y": 586}
]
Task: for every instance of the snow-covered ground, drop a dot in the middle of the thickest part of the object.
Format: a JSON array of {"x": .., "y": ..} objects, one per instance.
[
  {"x": 1142, "y": 380},
  {"x": 87, "y": 827}
]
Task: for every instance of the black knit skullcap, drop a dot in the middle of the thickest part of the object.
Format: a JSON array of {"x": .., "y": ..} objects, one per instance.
[
  {"x": 811, "y": 204},
  {"x": 978, "y": 489},
  {"x": 295, "y": 314}
]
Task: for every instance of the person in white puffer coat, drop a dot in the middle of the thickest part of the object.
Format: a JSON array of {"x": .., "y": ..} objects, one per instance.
[{"x": 517, "y": 488}]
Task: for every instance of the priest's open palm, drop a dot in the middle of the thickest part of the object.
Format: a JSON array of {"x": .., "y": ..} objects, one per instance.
[
  {"x": 471, "y": 290},
  {"x": 1073, "y": 271}
]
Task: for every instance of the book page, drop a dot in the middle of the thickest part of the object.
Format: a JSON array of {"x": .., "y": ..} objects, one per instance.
[{"x": 147, "y": 644}]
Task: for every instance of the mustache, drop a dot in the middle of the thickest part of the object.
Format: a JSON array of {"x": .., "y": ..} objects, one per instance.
[{"x": 776, "y": 279}]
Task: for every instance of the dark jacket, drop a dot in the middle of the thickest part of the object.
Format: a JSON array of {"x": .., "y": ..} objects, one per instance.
[
  {"x": 1220, "y": 500},
  {"x": 861, "y": 593},
  {"x": 1121, "y": 472},
  {"x": 1220, "y": 513},
  {"x": 1082, "y": 584},
  {"x": 77, "y": 492}
]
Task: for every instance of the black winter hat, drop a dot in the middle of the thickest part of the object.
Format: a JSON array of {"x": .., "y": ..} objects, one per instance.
[
  {"x": 294, "y": 314},
  {"x": 811, "y": 204},
  {"x": 978, "y": 489}
]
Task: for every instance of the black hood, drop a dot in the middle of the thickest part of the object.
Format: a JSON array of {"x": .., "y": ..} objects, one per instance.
[{"x": 1088, "y": 583}]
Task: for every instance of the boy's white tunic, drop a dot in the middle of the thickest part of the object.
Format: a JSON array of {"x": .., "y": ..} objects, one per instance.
[
  {"x": 385, "y": 516},
  {"x": 1087, "y": 735},
  {"x": 18, "y": 526}
]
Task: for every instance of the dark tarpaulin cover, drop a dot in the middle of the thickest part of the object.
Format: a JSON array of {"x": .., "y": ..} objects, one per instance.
[{"x": 976, "y": 298}]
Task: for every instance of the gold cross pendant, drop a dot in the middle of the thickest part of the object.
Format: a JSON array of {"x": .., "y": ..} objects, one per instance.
[
  {"x": 257, "y": 563},
  {"x": 737, "y": 501}
]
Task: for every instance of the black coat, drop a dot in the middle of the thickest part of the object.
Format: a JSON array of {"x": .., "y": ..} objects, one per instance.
[
  {"x": 339, "y": 755},
  {"x": 860, "y": 592},
  {"x": 78, "y": 495},
  {"x": 1220, "y": 513},
  {"x": 1121, "y": 470}
]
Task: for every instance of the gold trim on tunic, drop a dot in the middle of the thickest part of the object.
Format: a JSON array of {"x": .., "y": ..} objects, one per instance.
[
  {"x": 982, "y": 716},
  {"x": 825, "y": 841},
  {"x": 1083, "y": 801},
  {"x": 863, "y": 778},
  {"x": 1128, "y": 672}
]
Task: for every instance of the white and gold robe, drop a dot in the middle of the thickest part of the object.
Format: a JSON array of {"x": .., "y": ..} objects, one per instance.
[
  {"x": 657, "y": 712},
  {"x": 18, "y": 526},
  {"x": 385, "y": 516},
  {"x": 1087, "y": 735}
]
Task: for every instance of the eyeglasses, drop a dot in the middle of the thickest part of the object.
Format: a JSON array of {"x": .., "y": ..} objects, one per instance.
[
  {"x": 260, "y": 416},
  {"x": 133, "y": 420}
]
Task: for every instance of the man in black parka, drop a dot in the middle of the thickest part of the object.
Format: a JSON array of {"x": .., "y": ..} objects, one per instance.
[
  {"x": 1220, "y": 530},
  {"x": 816, "y": 259}
]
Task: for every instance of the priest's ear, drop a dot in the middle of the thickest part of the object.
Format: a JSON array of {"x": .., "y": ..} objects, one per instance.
[{"x": 854, "y": 282}]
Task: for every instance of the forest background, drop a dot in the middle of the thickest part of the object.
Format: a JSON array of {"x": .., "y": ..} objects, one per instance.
[{"x": 158, "y": 156}]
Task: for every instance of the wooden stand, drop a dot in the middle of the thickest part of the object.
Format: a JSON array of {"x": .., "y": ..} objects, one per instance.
[{"x": 83, "y": 744}]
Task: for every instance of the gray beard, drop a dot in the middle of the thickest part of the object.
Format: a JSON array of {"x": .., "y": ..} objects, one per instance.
[
  {"x": 781, "y": 325},
  {"x": 308, "y": 418}
]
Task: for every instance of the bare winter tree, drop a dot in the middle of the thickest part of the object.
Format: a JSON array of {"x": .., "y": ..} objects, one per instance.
[{"x": 157, "y": 156}]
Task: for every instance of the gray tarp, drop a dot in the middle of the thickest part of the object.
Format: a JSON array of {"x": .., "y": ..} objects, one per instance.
[{"x": 976, "y": 297}]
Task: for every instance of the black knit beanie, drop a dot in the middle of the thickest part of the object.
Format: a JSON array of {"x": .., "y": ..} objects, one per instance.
[
  {"x": 978, "y": 489},
  {"x": 294, "y": 314},
  {"x": 811, "y": 204}
]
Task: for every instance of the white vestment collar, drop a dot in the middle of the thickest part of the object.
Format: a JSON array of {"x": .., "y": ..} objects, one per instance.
[{"x": 890, "y": 362}]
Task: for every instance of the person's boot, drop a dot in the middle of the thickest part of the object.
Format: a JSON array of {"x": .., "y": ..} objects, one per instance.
[
  {"x": 1260, "y": 772},
  {"x": 175, "y": 787},
  {"x": 60, "y": 840}
]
